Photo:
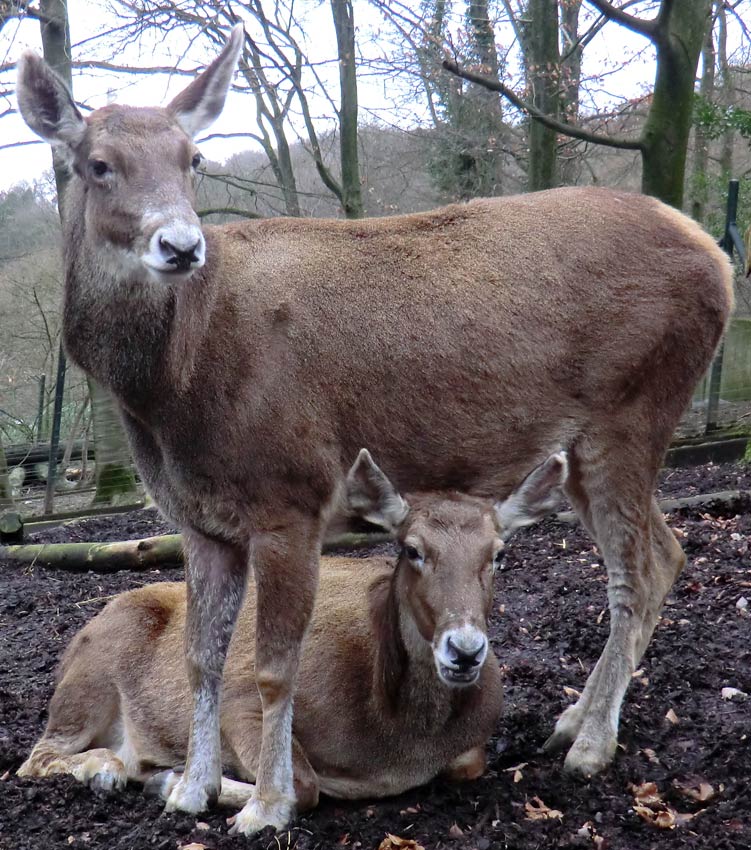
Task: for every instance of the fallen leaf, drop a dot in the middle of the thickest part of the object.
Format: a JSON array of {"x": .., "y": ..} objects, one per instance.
[
  {"x": 516, "y": 767},
  {"x": 193, "y": 847},
  {"x": 698, "y": 790},
  {"x": 661, "y": 819},
  {"x": 672, "y": 717},
  {"x": 5, "y": 776},
  {"x": 202, "y": 826},
  {"x": 646, "y": 794},
  {"x": 537, "y": 810},
  {"x": 393, "y": 842},
  {"x": 571, "y": 692},
  {"x": 518, "y": 776},
  {"x": 456, "y": 831},
  {"x": 651, "y": 755}
]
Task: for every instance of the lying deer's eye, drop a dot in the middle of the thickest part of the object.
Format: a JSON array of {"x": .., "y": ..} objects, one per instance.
[
  {"x": 98, "y": 167},
  {"x": 196, "y": 161},
  {"x": 412, "y": 553},
  {"x": 498, "y": 558}
]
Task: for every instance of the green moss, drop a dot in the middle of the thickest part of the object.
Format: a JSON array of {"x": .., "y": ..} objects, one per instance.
[{"x": 114, "y": 480}]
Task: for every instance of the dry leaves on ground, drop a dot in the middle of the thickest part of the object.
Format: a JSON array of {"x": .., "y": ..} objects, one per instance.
[
  {"x": 650, "y": 807},
  {"x": 395, "y": 842},
  {"x": 537, "y": 810}
]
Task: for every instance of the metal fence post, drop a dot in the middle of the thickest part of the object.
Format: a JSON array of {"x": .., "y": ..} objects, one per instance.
[
  {"x": 49, "y": 494},
  {"x": 730, "y": 240}
]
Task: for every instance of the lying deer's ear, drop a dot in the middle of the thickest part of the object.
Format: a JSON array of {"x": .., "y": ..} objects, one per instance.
[
  {"x": 537, "y": 496},
  {"x": 372, "y": 496},
  {"x": 46, "y": 104},
  {"x": 201, "y": 103}
]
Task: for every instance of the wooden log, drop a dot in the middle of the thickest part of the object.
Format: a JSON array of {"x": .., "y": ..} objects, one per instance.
[
  {"x": 147, "y": 554},
  {"x": 166, "y": 550}
]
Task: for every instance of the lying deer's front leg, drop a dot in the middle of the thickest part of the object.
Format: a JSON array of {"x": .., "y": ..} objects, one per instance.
[
  {"x": 216, "y": 575},
  {"x": 285, "y": 566}
]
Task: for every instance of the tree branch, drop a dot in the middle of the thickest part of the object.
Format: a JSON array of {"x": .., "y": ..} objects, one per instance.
[
  {"x": 649, "y": 29},
  {"x": 558, "y": 126},
  {"x": 228, "y": 211}
]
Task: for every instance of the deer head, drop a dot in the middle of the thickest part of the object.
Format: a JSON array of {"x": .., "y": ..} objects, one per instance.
[
  {"x": 450, "y": 547},
  {"x": 135, "y": 166}
]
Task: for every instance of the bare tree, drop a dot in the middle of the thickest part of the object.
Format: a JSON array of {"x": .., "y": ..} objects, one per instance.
[
  {"x": 281, "y": 79},
  {"x": 677, "y": 33},
  {"x": 108, "y": 431}
]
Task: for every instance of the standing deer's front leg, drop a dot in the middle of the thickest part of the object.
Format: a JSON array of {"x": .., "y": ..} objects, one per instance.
[
  {"x": 285, "y": 566},
  {"x": 216, "y": 574}
]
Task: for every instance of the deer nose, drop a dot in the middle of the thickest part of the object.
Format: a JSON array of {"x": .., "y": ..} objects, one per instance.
[
  {"x": 176, "y": 247},
  {"x": 181, "y": 258},
  {"x": 466, "y": 653}
]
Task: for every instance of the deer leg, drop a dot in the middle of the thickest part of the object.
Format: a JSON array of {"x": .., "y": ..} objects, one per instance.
[
  {"x": 216, "y": 574},
  {"x": 623, "y": 517},
  {"x": 242, "y": 735},
  {"x": 286, "y": 573},
  {"x": 83, "y": 710}
]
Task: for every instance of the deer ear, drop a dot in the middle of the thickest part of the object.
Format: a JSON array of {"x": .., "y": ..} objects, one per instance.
[
  {"x": 538, "y": 495},
  {"x": 372, "y": 496},
  {"x": 201, "y": 103},
  {"x": 46, "y": 104}
]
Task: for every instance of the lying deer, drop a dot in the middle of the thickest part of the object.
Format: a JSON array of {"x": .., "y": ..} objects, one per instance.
[
  {"x": 463, "y": 345},
  {"x": 396, "y": 683}
]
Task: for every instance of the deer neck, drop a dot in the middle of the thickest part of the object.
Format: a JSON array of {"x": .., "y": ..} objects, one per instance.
[
  {"x": 406, "y": 686},
  {"x": 134, "y": 335}
]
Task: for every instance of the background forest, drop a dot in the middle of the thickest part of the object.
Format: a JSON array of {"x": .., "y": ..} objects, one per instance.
[{"x": 377, "y": 107}]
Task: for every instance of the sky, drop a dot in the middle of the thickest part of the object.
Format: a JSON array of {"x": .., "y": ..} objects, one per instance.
[{"x": 377, "y": 96}]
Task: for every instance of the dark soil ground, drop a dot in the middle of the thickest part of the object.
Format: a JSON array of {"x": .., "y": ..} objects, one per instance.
[{"x": 549, "y": 625}]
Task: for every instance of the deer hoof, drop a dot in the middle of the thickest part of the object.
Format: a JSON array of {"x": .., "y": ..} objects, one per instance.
[
  {"x": 186, "y": 797},
  {"x": 588, "y": 756},
  {"x": 100, "y": 773},
  {"x": 565, "y": 732},
  {"x": 257, "y": 814}
]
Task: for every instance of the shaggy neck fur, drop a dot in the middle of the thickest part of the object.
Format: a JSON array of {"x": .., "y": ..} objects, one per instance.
[{"x": 135, "y": 335}]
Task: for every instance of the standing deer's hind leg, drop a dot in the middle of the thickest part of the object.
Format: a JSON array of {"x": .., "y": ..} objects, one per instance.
[
  {"x": 285, "y": 567},
  {"x": 216, "y": 575},
  {"x": 642, "y": 563}
]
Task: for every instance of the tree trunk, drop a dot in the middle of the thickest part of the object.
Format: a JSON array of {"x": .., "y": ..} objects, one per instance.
[
  {"x": 570, "y": 68},
  {"x": 344, "y": 24},
  {"x": 668, "y": 125},
  {"x": 727, "y": 99},
  {"x": 114, "y": 479},
  {"x": 542, "y": 59},
  {"x": 699, "y": 175}
]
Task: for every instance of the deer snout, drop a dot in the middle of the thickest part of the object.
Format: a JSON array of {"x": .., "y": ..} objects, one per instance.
[
  {"x": 460, "y": 654},
  {"x": 177, "y": 247}
]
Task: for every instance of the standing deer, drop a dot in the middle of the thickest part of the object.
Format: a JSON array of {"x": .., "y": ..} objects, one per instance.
[
  {"x": 463, "y": 345},
  {"x": 395, "y": 685}
]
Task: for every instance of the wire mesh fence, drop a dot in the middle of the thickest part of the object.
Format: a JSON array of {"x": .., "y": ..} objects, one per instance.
[{"x": 70, "y": 456}]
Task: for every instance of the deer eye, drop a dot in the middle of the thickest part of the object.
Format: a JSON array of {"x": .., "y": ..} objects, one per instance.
[
  {"x": 196, "y": 161},
  {"x": 413, "y": 554},
  {"x": 98, "y": 168},
  {"x": 498, "y": 558}
]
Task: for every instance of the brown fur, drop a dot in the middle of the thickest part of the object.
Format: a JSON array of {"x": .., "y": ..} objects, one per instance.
[
  {"x": 463, "y": 345},
  {"x": 372, "y": 716}
]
